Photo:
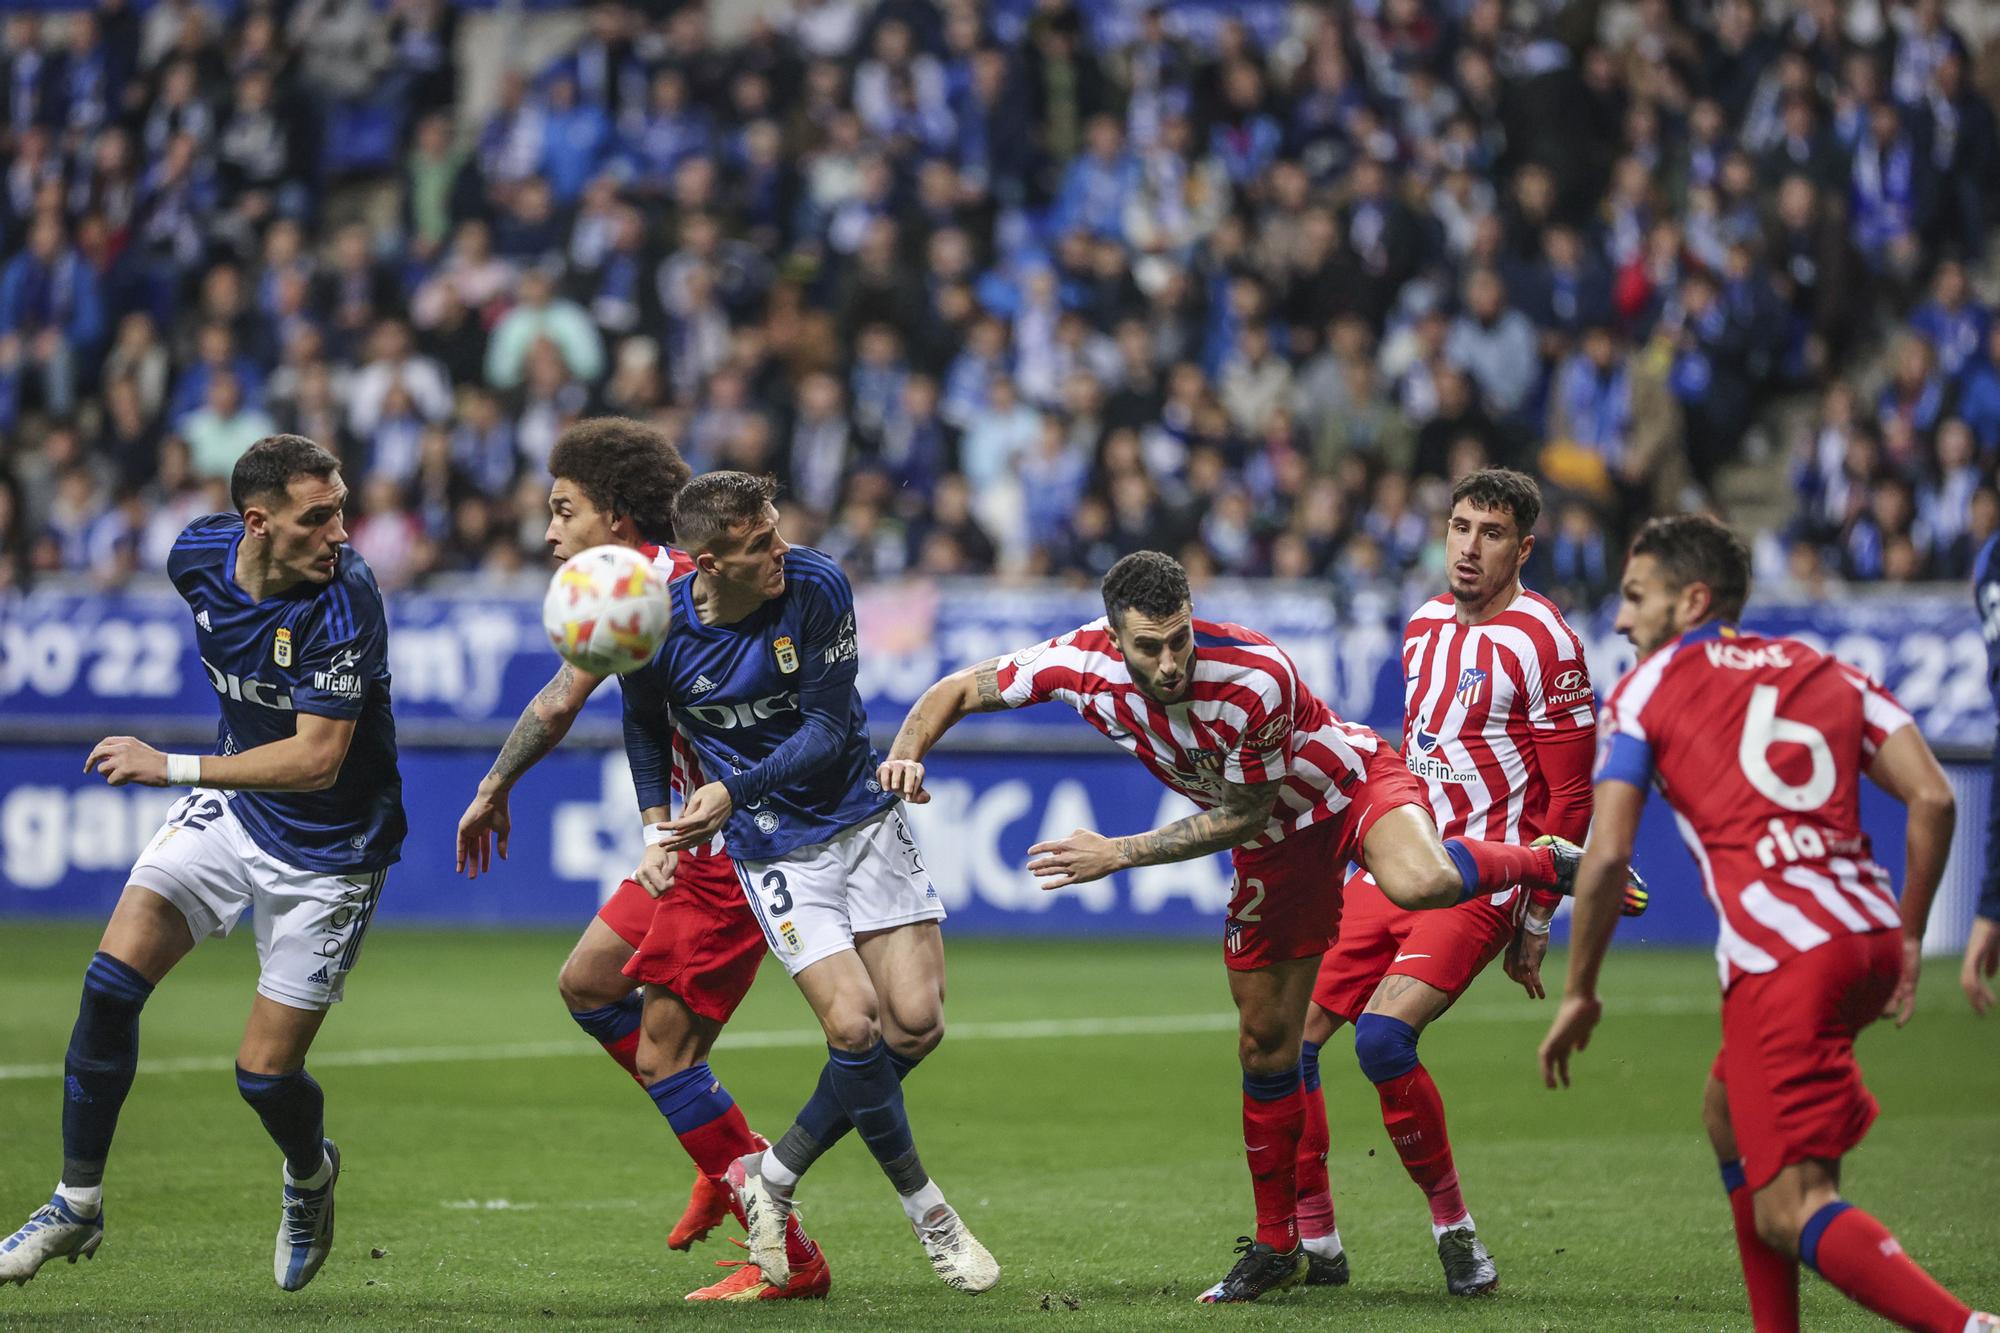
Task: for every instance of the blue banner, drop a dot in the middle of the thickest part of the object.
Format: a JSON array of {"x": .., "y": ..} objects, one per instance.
[
  {"x": 66, "y": 841},
  {"x": 477, "y": 660}
]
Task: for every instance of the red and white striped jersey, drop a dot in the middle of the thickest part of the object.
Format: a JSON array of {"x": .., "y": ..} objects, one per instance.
[
  {"x": 1248, "y": 718},
  {"x": 1476, "y": 698},
  {"x": 1759, "y": 745},
  {"x": 684, "y": 772}
]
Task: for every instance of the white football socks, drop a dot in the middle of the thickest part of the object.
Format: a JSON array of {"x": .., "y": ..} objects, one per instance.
[
  {"x": 317, "y": 1180},
  {"x": 1326, "y": 1247},
  {"x": 83, "y": 1200},
  {"x": 782, "y": 1177},
  {"x": 917, "y": 1206},
  {"x": 1462, "y": 1224}
]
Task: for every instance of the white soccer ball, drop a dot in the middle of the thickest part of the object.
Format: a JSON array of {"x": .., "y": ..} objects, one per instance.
[{"x": 607, "y": 610}]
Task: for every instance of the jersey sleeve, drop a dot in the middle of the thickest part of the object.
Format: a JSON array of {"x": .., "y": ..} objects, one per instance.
[
  {"x": 648, "y": 742},
  {"x": 1882, "y": 715},
  {"x": 346, "y": 650},
  {"x": 831, "y": 652},
  {"x": 1624, "y": 750},
  {"x": 1558, "y": 688},
  {"x": 1034, "y": 674}
]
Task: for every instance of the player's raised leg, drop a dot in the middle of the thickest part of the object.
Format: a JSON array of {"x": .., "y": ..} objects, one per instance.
[
  {"x": 1771, "y": 1275},
  {"x": 146, "y": 936},
  {"x": 1270, "y": 1019}
]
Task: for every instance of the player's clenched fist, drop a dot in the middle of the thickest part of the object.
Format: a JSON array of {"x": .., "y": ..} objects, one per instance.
[
  {"x": 904, "y": 778},
  {"x": 127, "y": 759},
  {"x": 656, "y": 869}
]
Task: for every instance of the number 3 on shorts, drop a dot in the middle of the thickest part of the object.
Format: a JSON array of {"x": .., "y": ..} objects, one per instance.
[
  {"x": 781, "y": 897},
  {"x": 1249, "y": 912}
]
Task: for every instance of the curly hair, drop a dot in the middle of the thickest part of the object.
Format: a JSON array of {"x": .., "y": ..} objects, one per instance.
[
  {"x": 711, "y": 506},
  {"x": 1694, "y": 548},
  {"x": 1149, "y": 582},
  {"x": 626, "y": 468},
  {"x": 1505, "y": 489}
]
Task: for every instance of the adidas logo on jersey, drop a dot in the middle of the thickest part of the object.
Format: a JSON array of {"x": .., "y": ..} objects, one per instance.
[
  {"x": 318, "y": 978},
  {"x": 702, "y": 685},
  {"x": 201, "y": 619}
]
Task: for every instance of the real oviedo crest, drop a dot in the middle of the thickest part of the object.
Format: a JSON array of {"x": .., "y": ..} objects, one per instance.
[
  {"x": 281, "y": 647},
  {"x": 786, "y": 653}
]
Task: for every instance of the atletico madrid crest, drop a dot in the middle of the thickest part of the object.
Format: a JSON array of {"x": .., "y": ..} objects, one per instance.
[
  {"x": 281, "y": 647},
  {"x": 1471, "y": 684},
  {"x": 787, "y": 655}
]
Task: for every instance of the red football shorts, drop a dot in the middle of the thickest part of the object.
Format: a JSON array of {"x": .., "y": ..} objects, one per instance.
[
  {"x": 699, "y": 941},
  {"x": 1287, "y": 899},
  {"x": 1378, "y": 939},
  {"x": 1787, "y": 1056}
]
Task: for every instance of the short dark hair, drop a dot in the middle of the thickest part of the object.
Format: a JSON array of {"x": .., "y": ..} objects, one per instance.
[
  {"x": 1502, "y": 488},
  {"x": 267, "y": 468},
  {"x": 1149, "y": 582},
  {"x": 626, "y": 468},
  {"x": 715, "y": 503},
  {"x": 1694, "y": 548}
]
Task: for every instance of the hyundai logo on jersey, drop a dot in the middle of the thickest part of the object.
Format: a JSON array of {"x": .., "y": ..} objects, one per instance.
[{"x": 1471, "y": 682}]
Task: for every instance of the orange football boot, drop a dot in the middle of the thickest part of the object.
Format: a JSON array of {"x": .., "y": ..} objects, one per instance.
[
  {"x": 708, "y": 1204},
  {"x": 746, "y": 1282}
]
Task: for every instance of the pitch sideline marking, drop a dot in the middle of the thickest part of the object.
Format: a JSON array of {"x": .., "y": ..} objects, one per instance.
[{"x": 1145, "y": 1025}]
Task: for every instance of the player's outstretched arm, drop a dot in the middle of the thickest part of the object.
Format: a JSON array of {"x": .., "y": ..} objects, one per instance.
[
  {"x": 308, "y": 760},
  {"x": 974, "y": 689},
  {"x": 541, "y": 726},
  {"x": 1084, "y": 856},
  {"x": 1600, "y": 897},
  {"x": 1905, "y": 768}
]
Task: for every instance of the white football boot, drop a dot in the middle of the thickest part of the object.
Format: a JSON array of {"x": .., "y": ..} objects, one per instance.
[
  {"x": 955, "y": 1253},
  {"x": 305, "y": 1227},
  {"x": 52, "y": 1231},
  {"x": 765, "y": 1212}
]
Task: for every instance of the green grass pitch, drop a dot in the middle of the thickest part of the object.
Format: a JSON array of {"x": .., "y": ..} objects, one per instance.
[{"x": 1083, "y": 1118}]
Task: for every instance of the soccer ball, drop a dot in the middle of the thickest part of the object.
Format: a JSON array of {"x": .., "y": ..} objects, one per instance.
[{"x": 607, "y": 610}]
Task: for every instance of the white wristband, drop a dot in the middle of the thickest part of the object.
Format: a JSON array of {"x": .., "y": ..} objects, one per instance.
[
  {"x": 1534, "y": 927},
  {"x": 655, "y": 835},
  {"x": 183, "y": 770}
]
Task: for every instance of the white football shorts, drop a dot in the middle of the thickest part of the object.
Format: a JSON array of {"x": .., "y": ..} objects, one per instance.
[
  {"x": 309, "y": 925},
  {"x": 812, "y": 902}
]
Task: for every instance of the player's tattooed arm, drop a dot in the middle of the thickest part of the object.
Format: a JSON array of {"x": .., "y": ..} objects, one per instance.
[
  {"x": 541, "y": 726},
  {"x": 1244, "y": 812},
  {"x": 974, "y": 689}
]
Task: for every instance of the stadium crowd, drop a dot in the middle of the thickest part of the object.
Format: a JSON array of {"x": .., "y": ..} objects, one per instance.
[{"x": 1014, "y": 288}]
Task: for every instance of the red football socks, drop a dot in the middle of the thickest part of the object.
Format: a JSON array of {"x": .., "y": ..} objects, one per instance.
[
  {"x": 1271, "y": 1132},
  {"x": 718, "y": 1142},
  {"x": 1501, "y": 865},
  {"x": 1413, "y": 1113},
  {"x": 1771, "y": 1278},
  {"x": 1857, "y": 1254},
  {"x": 1315, "y": 1189},
  {"x": 625, "y": 1050}
]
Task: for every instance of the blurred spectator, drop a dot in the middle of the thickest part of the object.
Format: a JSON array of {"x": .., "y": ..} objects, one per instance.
[
  {"x": 542, "y": 314},
  {"x": 224, "y": 426}
]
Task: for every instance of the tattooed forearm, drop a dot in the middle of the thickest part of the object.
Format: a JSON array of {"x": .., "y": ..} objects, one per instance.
[
  {"x": 986, "y": 679},
  {"x": 534, "y": 734},
  {"x": 1243, "y": 814},
  {"x": 943, "y": 704}
]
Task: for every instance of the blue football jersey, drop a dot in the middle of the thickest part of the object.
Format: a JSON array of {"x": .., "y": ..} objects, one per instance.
[
  {"x": 770, "y": 706},
  {"x": 1986, "y": 594},
  {"x": 317, "y": 648}
]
